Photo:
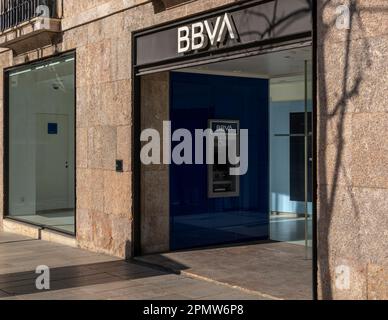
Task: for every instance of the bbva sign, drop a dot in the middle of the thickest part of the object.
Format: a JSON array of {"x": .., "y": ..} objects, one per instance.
[{"x": 201, "y": 34}]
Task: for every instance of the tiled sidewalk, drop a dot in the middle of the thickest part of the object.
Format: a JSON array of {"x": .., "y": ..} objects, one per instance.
[
  {"x": 276, "y": 270},
  {"x": 78, "y": 274}
]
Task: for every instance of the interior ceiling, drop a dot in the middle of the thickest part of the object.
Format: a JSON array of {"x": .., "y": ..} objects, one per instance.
[
  {"x": 280, "y": 64},
  {"x": 57, "y": 73}
]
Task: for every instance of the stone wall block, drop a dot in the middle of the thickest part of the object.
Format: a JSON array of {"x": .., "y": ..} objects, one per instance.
[
  {"x": 117, "y": 193},
  {"x": 102, "y": 147},
  {"x": 370, "y": 150}
]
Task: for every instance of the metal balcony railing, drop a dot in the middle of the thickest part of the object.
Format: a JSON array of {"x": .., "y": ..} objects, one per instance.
[{"x": 14, "y": 12}]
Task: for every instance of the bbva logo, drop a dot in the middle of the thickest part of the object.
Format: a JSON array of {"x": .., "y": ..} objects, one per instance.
[{"x": 200, "y": 34}]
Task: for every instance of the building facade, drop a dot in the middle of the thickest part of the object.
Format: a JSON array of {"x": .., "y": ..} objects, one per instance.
[{"x": 107, "y": 69}]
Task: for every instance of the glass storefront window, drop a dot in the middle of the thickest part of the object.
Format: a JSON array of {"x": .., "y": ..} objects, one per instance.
[{"x": 41, "y": 143}]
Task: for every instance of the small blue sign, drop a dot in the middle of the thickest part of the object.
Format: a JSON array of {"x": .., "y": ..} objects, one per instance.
[{"x": 52, "y": 128}]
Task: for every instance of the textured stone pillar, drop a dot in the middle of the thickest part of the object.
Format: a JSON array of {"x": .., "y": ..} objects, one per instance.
[
  {"x": 353, "y": 151},
  {"x": 104, "y": 135},
  {"x": 155, "y": 213}
]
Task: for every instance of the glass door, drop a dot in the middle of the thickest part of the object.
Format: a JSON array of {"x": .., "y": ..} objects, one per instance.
[{"x": 291, "y": 180}]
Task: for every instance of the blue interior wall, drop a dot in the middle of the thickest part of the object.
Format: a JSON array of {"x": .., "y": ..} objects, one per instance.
[{"x": 196, "y": 219}]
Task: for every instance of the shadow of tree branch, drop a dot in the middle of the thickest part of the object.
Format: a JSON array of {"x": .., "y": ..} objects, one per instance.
[{"x": 358, "y": 61}]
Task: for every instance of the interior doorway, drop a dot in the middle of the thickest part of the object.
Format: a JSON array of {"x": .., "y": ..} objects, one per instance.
[{"x": 52, "y": 162}]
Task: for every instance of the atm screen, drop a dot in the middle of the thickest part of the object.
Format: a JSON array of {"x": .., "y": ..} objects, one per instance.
[{"x": 221, "y": 184}]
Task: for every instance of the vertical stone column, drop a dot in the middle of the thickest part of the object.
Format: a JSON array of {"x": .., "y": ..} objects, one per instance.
[
  {"x": 353, "y": 150},
  {"x": 155, "y": 213},
  {"x": 104, "y": 135}
]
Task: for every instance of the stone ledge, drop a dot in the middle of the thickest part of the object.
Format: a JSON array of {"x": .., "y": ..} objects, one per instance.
[
  {"x": 38, "y": 233},
  {"x": 56, "y": 237},
  {"x": 21, "y": 228},
  {"x": 30, "y": 35}
]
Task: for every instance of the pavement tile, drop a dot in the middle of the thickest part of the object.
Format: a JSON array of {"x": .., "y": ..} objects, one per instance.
[{"x": 81, "y": 275}]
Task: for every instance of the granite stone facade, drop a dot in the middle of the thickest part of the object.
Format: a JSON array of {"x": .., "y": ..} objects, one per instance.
[
  {"x": 352, "y": 121},
  {"x": 352, "y": 151}
]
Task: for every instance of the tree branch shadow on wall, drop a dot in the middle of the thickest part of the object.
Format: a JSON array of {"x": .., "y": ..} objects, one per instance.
[{"x": 356, "y": 62}]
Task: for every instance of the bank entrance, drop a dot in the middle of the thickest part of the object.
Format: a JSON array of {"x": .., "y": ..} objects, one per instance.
[{"x": 261, "y": 89}]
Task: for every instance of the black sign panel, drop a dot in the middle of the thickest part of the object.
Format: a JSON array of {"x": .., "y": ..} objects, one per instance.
[{"x": 253, "y": 23}]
